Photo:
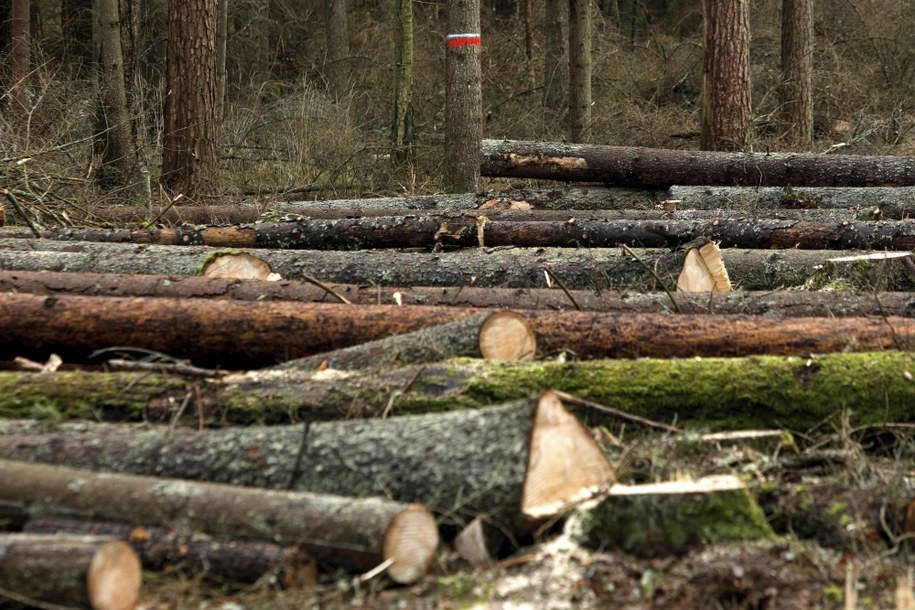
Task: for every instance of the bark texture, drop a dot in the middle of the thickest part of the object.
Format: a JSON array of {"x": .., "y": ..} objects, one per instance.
[
  {"x": 463, "y": 98},
  {"x": 402, "y": 133},
  {"x": 726, "y": 105},
  {"x": 20, "y": 54},
  {"x": 579, "y": 70},
  {"x": 555, "y": 56},
  {"x": 661, "y": 168},
  {"x": 797, "y": 70}
]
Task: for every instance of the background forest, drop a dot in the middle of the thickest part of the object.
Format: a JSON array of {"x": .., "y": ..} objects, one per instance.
[{"x": 303, "y": 121}]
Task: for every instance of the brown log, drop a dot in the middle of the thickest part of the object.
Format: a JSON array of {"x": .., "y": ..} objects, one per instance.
[
  {"x": 661, "y": 168},
  {"x": 503, "y": 335},
  {"x": 468, "y": 231},
  {"x": 354, "y": 533},
  {"x": 516, "y": 463},
  {"x": 77, "y": 571},
  {"x": 589, "y": 269},
  {"x": 836, "y": 303},
  {"x": 193, "y": 554}
]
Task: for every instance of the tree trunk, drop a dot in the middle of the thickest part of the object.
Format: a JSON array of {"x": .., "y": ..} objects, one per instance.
[
  {"x": 463, "y": 98},
  {"x": 579, "y": 70},
  {"x": 661, "y": 168},
  {"x": 726, "y": 105},
  {"x": 20, "y": 106},
  {"x": 192, "y": 555},
  {"x": 114, "y": 136},
  {"x": 222, "y": 35},
  {"x": 402, "y": 134},
  {"x": 356, "y": 534},
  {"x": 555, "y": 59},
  {"x": 515, "y": 463},
  {"x": 797, "y": 71},
  {"x": 595, "y": 269},
  {"x": 337, "y": 32},
  {"x": 190, "y": 152},
  {"x": 528, "y": 19},
  {"x": 465, "y": 231},
  {"x": 727, "y": 393},
  {"x": 73, "y": 571},
  {"x": 788, "y": 303}
]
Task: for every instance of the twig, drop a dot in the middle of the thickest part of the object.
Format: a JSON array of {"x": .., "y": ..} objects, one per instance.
[
  {"x": 176, "y": 368},
  {"x": 654, "y": 274},
  {"x": 12, "y": 199},
  {"x": 582, "y": 402},
  {"x": 397, "y": 393},
  {"x": 28, "y": 601},
  {"x": 326, "y": 288},
  {"x": 562, "y": 286}
]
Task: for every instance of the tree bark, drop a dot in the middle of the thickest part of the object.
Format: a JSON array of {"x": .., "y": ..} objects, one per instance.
[
  {"x": 727, "y": 393},
  {"x": 797, "y": 71},
  {"x": 462, "y": 463},
  {"x": 595, "y": 269},
  {"x": 403, "y": 137},
  {"x": 791, "y": 303},
  {"x": 579, "y": 70},
  {"x": 344, "y": 531},
  {"x": 463, "y": 97},
  {"x": 82, "y": 571},
  {"x": 193, "y": 555},
  {"x": 726, "y": 104},
  {"x": 555, "y": 58},
  {"x": 661, "y": 168},
  {"x": 190, "y": 152},
  {"x": 222, "y": 36},
  {"x": 337, "y": 65},
  {"x": 467, "y": 231},
  {"x": 20, "y": 53}
]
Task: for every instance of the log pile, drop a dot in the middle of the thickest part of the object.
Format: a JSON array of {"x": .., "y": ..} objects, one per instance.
[{"x": 341, "y": 384}]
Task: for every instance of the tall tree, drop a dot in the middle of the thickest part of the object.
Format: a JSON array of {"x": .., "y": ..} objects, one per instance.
[
  {"x": 114, "y": 135},
  {"x": 76, "y": 26},
  {"x": 463, "y": 97},
  {"x": 556, "y": 55},
  {"x": 797, "y": 70},
  {"x": 726, "y": 76},
  {"x": 402, "y": 135},
  {"x": 19, "y": 65},
  {"x": 222, "y": 36},
  {"x": 579, "y": 70},
  {"x": 190, "y": 154},
  {"x": 336, "y": 26}
]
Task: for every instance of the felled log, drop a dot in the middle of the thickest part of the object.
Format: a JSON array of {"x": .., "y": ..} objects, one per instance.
[
  {"x": 662, "y": 519},
  {"x": 516, "y": 463},
  {"x": 354, "y": 533},
  {"x": 470, "y": 231},
  {"x": 874, "y": 202},
  {"x": 869, "y": 272},
  {"x": 727, "y": 393},
  {"x": 773, "y": 303},
  {"x": 503, "y": 335},
  {"x": 584, "y": 269},
  {"x": 193, "y": 554},
  {"x": 661, "y": 168},
  {"x": 75, "y": 327},
  {"x": 75, "y": 571}
]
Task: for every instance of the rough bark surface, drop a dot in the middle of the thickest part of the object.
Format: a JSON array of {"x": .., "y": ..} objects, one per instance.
[
  {"x": 20, "y": 54},
  {"x": 797, "y": 70},
  {"x": 579, "y": 70},
  {"x": 463, "y": 98},
  {"x": 661, "y": 168},
  {"x": 726, "y": 103},
  {"x": 555, "y": 56}
]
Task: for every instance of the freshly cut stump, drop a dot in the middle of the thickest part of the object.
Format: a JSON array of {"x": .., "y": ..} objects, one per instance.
[
  {"x": 704, "y": 271},
  {"x": 507, "y": 335}
]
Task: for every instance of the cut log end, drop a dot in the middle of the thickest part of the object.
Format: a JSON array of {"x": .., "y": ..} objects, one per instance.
[
  {"x": 411, "y": 541},
  {"x": 114, "y": 577},
  {"x": 565, "y": 464},
  {"x": 703, "y": 271},
  {"x": 237, "y": 266},
  {"x": 506, "y": 335}
]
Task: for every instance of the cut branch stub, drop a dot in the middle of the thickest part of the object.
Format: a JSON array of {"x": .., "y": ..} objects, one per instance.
[
  {"x": 506, "y": 335},
  {"x": 565, "y": 465},
  {"x": 237, "y": 266},
  {"x": 704, "y": 271}
]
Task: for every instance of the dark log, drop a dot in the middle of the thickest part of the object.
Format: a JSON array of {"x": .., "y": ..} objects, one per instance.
[
  {"x": 661, "y": 168},
  {"x": 892, "y": 202},
  {"x": 95, "y": 572},
  {"x": 729, "y": 393},
  {"x": 354, "y": 533},
  {"x": 468, "y": 231},
  {"x": 193, "y": 554},
  {"x": 773, "y": 303},
  {"x": 504, "y": 335},
  {"x": 583, "y": 269},
  {"x": 516, "y": 463}
]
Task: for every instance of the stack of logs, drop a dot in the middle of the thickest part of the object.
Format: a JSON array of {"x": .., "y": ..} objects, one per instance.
[{"x": 339, "y": 382}]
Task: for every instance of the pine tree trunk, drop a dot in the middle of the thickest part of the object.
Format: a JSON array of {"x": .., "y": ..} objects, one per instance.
[
  {"x": 797, "y": 70},
  {"x": 579, "y": 70},
  {"x": 20, "y": 107},
  {"x": 222, "y": 27},
  {"x": 402, "y": 135},
  {"x": 463, "y": 98},
  {"x": 337, "y": 32},
  {"x": 726, "y": 105},
  {"x": 555, "y": 59}
]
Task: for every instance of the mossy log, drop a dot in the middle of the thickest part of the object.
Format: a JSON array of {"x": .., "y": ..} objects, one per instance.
[
  {"x": 671, "y": 518},
  {"x": 468, "y": 231},
  {"x": 661, "y": 168},
  {"x": 839, "y": 303},
  {"x": 192, "y": 554},
  {"x": 75, "y": 327},
  {"x": 517, "y": 463},
  {"x": 94, "y": 572},
  {"x": 727, "y": 393},
  {"x": 597, "y": 269},
  {"x": 892, "y": 202},
  {"x": 358, "y": 534}
]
